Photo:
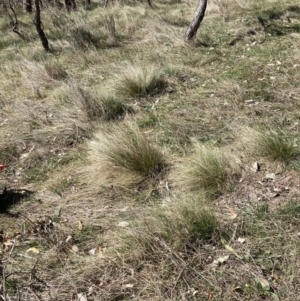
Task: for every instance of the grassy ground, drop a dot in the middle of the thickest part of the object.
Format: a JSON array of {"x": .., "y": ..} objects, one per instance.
[{"x": 143, "y": 168}]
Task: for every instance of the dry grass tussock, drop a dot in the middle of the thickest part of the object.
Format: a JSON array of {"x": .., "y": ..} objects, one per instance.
[
  {"x": 218, "y": 7},
  {"x": 271, "y": 143},
  {"x": 121, "y": 154},
  {"x": 232, "y": 92},
  {"x": 98, "y": 105},
  {"x": 209, "y": 171},
  {"x": 162, "y": 30},
  {"x": 36, "y": 76},
  {"x": 134, "y": 81},
  {"x": 178, "y": 223}
]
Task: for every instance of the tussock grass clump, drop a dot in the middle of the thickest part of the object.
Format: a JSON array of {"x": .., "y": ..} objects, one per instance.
[
  {"x": 273, "y": 144},
  {"x": 113, "y": 107},
  {"x": 291, "y": 209},
  {"x": 123, "y": 155},
  {"x": 209, "y": 171},
  {"x": 188, "y": 222},
  {"x": 139, "y": 81},
  {"x": 102, "y": 105},
  {"x": 55, "y": 70},
  {"x": 84, "y": 38},
  {"x": 36, "y": 76},
  {"x": 179, "y": 224}
]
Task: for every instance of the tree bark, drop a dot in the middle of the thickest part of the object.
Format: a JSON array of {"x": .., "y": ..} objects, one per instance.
[
  {"x": 39, "y": 26},
  {"x": 10, "y": 11},
  {"x": 70, "y": 5},
  {"x": 192, "y": 29},
  {"x": 27, "y": 6}
]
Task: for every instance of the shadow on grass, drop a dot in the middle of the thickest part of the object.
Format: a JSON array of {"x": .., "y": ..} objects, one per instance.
[
  {"x": 11, "y": 197},
  {"x": 273, "y": 23}
]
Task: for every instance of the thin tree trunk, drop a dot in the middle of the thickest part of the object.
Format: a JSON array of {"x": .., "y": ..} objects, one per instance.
[
  {"x": 13, "y": 17},
  {"x": 70, "y": 5},
  {"x": 192, "y": 29},
  {"x": 39, "y": 26},
  {"x": 106, "y": 2},
  {"x": 27, "y": 6}
]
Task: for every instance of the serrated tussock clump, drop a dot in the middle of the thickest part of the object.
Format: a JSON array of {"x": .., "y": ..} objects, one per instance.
[
  {"x": 272, "y": 144},
  {"x": 208, "y": 171},
  {"x": 123, "y": 155},
  {"x": 182, "y": 223},
  {"x": 36, "y": 76},
  {"x": 139, "y": 81},
  {"x": 102, "y": 105},
  {"x": 188, "y": 222},
  {"x": 55, "y": 70}
]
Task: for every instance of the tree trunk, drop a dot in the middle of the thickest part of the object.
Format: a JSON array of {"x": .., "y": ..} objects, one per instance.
[
  {"x": 39, "y": 25},
  {"x": 192, "y": 30},
  {"x": 10, "y": 11},
  {"x": 70, "y": 5},
  {"x": 27, "y": 6}
]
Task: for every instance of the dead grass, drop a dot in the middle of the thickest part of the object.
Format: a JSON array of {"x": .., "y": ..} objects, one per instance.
[
  {"x": 107, "y": 220},
  {"x": 55, "y": 70},
  {"x": 36, "y": 77}
]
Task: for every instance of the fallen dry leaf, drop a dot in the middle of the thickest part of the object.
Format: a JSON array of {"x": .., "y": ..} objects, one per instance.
[
  {"x": 270, "y": 176},
  {"x": 123, "y": 224},
  {"x": 92, "y": 251},
  {"x": 264, "y": 283},
  {"x": 75, "y": 249},
  {"x": 34, "y": 250},
  {"x": 233, "y": 214},
  {"x": 241, "y": 240},
  {"x": 100, "y": 252},
  {"x": 2, "y": 166},
  {"x": 69, "y": 238},
  {"x": 220, "y": 261},
  {"x": 90, "y": 291},
  {"x": 7, "y": 244},
  {"x": 255, "y": 167},
  {"x": 81, "y": 297},
  {"x": 275, "y": 276},
  {"x": 230, "y": 249}
]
